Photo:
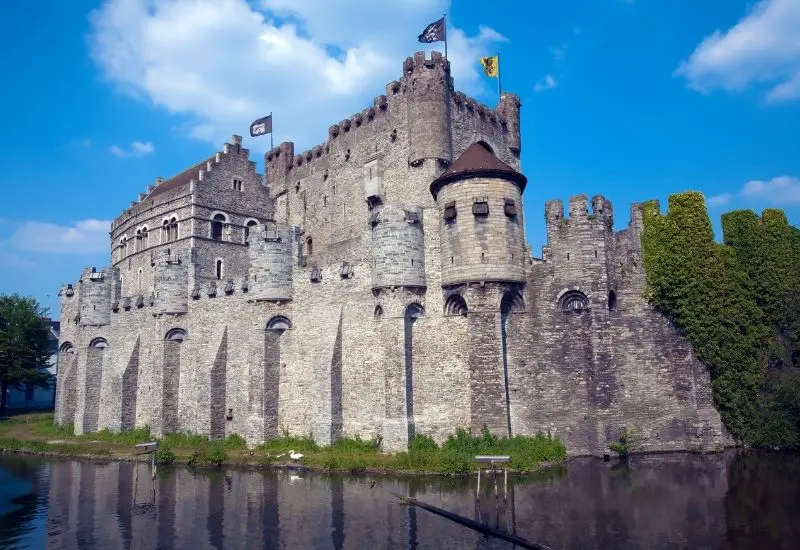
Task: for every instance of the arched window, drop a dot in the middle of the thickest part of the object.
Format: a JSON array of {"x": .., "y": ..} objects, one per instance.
[
  {"x": 165, "y": 231},
  {"x": 249, "y": 226},
  {"x": 138, "y": 243},
  {"x": 123, "y": 248},
  {"x": 144, "y": 237},
  {"x": 176, "y": 335},
  {"x": 173, "y": 228},
  {"x": 217, "y": 225},
  {"x": 218, "y": 269},
  {"x": 573, "y": 301},
  {"x": 101, "y": 343},
  {"x": 612, "y": 300},
  {"x": 378, "y": 314},
  {"x": 309, "y": 247},
  {"x": 139, "y": 280},
  {"x": 279, "y": 323},
  {"x": 455, "y": 305},
  {"x": 67, "y": 347}
]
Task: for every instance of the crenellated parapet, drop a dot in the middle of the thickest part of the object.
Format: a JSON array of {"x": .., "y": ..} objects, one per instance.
[
  {"x": 424, "y": 100},
  {"x": 580, "y": 218}
]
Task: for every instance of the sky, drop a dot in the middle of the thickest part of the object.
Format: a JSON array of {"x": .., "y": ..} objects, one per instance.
[{"x": 631, "y": 99}]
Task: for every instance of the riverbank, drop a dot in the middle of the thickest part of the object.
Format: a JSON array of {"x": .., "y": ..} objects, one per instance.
[{"x": 36, "y": 434}]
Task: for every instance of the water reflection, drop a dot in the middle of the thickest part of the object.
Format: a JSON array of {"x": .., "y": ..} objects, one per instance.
[{"x": 745, "y": 500}]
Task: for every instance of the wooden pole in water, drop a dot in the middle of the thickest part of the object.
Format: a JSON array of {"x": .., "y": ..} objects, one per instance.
[{"x": 522, "y": 543}]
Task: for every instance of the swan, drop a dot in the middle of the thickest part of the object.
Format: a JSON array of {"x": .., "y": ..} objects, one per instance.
[{"x": 295, "y": 456}]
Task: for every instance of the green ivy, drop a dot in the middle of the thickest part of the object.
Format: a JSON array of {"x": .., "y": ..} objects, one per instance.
[{"x": 733, "y": 301}]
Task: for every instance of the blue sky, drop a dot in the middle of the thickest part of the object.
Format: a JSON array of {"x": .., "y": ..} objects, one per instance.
[{"x": 632, "y": 99}]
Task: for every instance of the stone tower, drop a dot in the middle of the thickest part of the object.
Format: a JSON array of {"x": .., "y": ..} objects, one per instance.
[
  {"x": 483, "y": 258},
  {"x": 95, "y": 296},
  {"x": 170, "y": 282},
  {"x": 270, "y": 272},
  {"x": 429, "y": 86}
]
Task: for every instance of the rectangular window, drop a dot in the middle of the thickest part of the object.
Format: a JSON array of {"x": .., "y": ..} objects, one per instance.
[
  {"x": 480, "y": 208},
  {"x": 450, "y": 211},
  {"x": 237, "y": 185},
  {"x": 510, "y": 208}
]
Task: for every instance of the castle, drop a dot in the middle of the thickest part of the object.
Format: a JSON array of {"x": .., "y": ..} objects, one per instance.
[{"x": 379, "y": 285}]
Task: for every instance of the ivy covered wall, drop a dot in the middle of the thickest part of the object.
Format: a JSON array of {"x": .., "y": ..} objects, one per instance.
[{"x": 738, "y": 303}]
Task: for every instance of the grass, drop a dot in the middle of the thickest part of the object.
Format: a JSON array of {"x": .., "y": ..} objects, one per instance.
[{"x": 36, "y": 433}]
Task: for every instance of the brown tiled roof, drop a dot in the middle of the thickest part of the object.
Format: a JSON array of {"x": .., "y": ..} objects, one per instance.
[
  {"x": 478, "y": 161},
  {"x": 182, "y": 179}
]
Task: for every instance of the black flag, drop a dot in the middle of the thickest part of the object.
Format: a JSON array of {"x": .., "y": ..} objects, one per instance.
[
  {"x": 261, "y": 126},
  {"x": 435, "y": 32}
]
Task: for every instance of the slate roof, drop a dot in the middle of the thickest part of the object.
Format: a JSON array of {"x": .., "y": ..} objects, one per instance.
[
  {"x": 182, "y": 179},
  {"x": 478, "y": 161}
]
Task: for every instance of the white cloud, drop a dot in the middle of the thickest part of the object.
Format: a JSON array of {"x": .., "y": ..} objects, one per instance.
[
  {"x": 223, "y": 63},
  {"x": 762, "y": 48},
  {"x": 85, "y": 236},
  {"x": 559, "y": 52},
  {"x": 782, "y": 190},
  {"x": 137, "y": 149},
  {"x": 720, "y": 200},
  {"x": 547, "y": 83}
]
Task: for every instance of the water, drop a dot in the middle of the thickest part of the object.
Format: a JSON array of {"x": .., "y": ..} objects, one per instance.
[{"x": 730, "y": 501}]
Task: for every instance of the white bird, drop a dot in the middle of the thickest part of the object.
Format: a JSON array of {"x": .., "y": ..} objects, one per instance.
[
  {"x": 295, "y": 456},
  {"x": 293, "y": 478}
]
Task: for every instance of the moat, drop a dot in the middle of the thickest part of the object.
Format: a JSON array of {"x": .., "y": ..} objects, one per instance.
[{"x": 731, "y": 500}]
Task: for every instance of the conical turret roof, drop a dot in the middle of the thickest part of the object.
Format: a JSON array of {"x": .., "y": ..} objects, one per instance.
[{"x": 478, "y": 161}]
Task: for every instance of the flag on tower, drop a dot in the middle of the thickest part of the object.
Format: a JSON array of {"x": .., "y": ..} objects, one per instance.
[
  {"x": 261, "y": 126},
  {"x": 435, "y": 32},
  {"x": 491, "y": 65}
]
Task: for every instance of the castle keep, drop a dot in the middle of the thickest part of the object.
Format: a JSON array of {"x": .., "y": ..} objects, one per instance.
[{"x": 380, "y": 285}]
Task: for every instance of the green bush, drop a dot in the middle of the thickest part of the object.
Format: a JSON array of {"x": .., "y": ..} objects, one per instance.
[
  {"x": 235, "y": 441},
  {"x": 164, "y": 455},
  {"x": 421, "y": 442}
]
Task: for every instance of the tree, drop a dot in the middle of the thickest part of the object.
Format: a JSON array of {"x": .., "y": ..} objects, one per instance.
[{"x": 24, "y": 353}]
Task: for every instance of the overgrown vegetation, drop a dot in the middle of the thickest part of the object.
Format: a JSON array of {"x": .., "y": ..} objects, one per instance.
[
  {"x": 738, "y": 303},
  {"x": 626, "y": 443},
  {"x": 29, "y": 433}
]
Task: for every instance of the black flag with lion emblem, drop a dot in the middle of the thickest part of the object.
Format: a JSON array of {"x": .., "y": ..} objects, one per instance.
[
  {"x": 261, "y": 126},
  {"x": 435, "y": 32}
]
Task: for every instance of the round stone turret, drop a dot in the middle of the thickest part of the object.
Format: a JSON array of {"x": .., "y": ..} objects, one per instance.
[
  {"x": 95, "y": 296},
  {"x": 398, "y": 247},
  {"x": 479, "y": 199},
  {"x": 429, "y": 87},
  {"x": 270, "y": 272},
  {"x": 170, "y": 283}
]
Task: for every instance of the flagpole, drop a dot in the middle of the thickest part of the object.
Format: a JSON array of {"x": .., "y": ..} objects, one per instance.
[
  {"x": 445, "y": 35},
  {"x": 271, "y": 130},
  {"x": 499, "y": 93}
]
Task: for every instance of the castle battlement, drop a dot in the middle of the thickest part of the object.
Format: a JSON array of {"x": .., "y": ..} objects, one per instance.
[
  {"x": 282, "y": 164},
  {"x": 601, "y": 213}
]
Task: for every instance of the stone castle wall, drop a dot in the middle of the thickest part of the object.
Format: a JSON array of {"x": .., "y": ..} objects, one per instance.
[{"x": 352, "y": 307}]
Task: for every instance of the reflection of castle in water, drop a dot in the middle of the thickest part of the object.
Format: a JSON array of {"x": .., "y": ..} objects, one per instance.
[{"x": 587, "y": 506}]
